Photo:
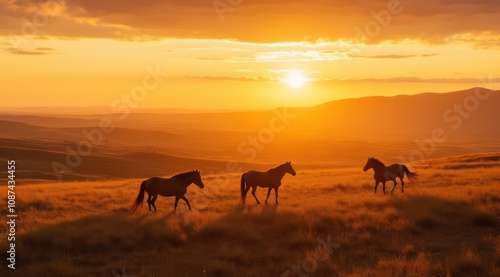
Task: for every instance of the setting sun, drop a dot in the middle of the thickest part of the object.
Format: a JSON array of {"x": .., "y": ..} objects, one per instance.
[{"x": 295, "y": 79}]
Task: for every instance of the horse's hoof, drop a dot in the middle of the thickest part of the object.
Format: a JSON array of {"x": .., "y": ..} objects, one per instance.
[{"x": 258, "y": 203}]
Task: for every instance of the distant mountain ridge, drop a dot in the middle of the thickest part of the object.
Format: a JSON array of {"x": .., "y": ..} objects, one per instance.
[
  {"x": 473, "y": 112},
  {"x": 336, "y": 133},
  {"x": 401, "y": 114}
]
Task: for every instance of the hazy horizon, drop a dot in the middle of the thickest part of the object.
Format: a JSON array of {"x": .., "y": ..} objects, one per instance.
[{"x": 40, "y": 110}]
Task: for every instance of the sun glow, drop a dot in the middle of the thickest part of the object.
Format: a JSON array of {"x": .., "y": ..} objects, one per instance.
[{"x": 295, "y": 79}]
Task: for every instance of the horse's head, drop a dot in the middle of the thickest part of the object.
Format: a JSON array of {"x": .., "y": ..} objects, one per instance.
[
  {"x": 289, "y": 168},
  {"x": 197, "y": 179},
  {"x": 368, "y": 165}
]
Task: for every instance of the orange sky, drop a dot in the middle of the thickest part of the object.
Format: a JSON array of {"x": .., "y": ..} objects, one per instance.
[{"x": 238, "y": 53}]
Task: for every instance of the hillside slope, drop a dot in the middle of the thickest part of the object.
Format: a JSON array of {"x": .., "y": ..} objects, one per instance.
[{"x": 445, "y": 224}]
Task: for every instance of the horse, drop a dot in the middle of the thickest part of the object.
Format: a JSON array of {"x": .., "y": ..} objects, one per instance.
[
  {"x": 389, "y": 173},
  {"x": 173, "y": 186},
  {"x": 270, "y": 179}
]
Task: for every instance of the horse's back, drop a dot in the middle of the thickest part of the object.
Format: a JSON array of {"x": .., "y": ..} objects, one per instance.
[
  {"x": 254, "y": 174},
  {"x": 164, "y": 186},
  {"x": 396, "y": 169},
  {"x": 261, "y": 179},
  {"x": 153, "y": 181}
]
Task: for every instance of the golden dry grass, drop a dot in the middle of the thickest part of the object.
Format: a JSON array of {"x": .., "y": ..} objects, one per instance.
[{"x": 445, "y": 224}]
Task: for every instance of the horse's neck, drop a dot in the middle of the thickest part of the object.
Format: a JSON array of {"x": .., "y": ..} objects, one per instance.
[
  {"x": 185, "y": 182},
  {"x": 279, "y": 172}
]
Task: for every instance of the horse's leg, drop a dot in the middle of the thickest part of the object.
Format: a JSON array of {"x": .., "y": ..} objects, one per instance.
[
  {"x": 268, "y": 193},
  {"x": 247, "y": 189},
  {"x": 395, "y": 183},
  {"x": 276, "y": 192},
  {"x": 254, "y": 188},
  {"x": 176, "y": 201},
  {"x": 187, "y": 202},
  {"x": 383, "y": 186},
  {"x": 376, "y": 185},
  {"x": 154, "y": 200},
  {"x": 402, "y": 184},
  {"x": 149, "y": 201}
]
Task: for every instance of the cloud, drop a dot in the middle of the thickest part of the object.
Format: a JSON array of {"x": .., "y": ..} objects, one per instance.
[
  {"x": 408, "y": 79},
  {"x": 230, "y": 51},
  {"x": 432, "y": 21},
  {"x": 227, "y": 78},
  {"x": 33, "y": 52},
  {"x": 392, "y": 56},
  {"x": 412, "y": 80},
  {"x": 44, "y": 49},
  {"x": 213, "y": 59}
]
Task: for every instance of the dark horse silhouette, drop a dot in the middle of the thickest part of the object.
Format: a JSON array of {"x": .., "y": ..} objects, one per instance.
[
  {"x": 389, "y": 173},
  {"x": 174, "y": 186},
  {"x": 270, "y": 179}
]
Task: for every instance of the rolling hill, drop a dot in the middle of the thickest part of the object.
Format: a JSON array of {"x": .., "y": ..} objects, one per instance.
[
  {"x": 472, "y": 112},
  {"x": 445, "y": 224},
  {"x": 35, "y": 162},
  {"x": 395, "y": 115},
  {"x": 336, "y": 133}
]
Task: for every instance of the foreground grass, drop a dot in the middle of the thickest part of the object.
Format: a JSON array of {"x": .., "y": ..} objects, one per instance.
[{"x": 446, "y": 224}]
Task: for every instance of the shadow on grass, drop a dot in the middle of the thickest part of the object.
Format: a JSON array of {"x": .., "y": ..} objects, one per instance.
[
  {"x": 429, "y": 212},
  {"x": 247, "y": 224},
  {"x": 261, "y": 240},
  {"x": 93, "y": 242},
  {"x": 95, "y": 245},
  {"x": 257, "y": 240}
]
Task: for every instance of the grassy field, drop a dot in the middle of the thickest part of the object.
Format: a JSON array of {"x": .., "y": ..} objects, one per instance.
[{"x": 328, "y": 223}]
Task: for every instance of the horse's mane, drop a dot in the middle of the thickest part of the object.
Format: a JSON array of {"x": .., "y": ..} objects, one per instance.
[
  {"x": 183, "y": 175},
  {"x": 377, "y": 161},
  {"x": 276, "y": 168}
]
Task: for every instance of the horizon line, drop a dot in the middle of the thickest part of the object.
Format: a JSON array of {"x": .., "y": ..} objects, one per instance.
[{"x": 179, "y": 110}]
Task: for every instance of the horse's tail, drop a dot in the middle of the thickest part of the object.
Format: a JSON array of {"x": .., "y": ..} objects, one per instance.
[
  {"x": 412, "y": 176},
  {"x": 243, "y": 193},
  {"x": 140, "y": 197}
]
